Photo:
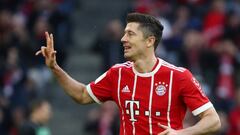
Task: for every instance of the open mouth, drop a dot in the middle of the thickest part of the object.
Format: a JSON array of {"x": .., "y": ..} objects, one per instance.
[{"x": 126, "y": 48}]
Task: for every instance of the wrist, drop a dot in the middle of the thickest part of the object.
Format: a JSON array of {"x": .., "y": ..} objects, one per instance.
[
  {"x": 54, "y": 67},
  {"x": 186, "y": 131}
]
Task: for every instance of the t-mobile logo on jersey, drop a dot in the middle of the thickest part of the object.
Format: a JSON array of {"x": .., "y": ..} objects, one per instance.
[{"x": 129, "y": 104}]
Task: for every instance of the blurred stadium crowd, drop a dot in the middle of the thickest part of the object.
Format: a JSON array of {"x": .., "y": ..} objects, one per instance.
[
  {"x": 201, "y": 35},
  {"x": 24, "y": 77}
]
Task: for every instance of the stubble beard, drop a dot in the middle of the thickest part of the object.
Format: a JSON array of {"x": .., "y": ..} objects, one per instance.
[{"x": 128, "y": 58}]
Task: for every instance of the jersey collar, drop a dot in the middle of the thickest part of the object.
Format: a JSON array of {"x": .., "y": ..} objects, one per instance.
[{"x": 157, "y": 67}]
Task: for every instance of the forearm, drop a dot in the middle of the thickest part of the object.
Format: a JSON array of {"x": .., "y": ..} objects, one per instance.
[
  {"x": 209, "y": 124},
  {"x": 73, "y": 88}
]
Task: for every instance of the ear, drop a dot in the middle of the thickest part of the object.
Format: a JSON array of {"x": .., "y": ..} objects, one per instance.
[{"x": 150, "y": 41}]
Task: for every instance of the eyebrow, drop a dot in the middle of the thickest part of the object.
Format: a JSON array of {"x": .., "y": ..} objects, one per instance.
[{"x": 125, "y": 31}]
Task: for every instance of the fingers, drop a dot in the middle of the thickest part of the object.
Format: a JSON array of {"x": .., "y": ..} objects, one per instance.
[
  {"x": 43, "y": 51},
  {"x": 165, "y": 132},
  {"x": 47, "y": 50},
  {"x": 38, "y": 52},
  {"x": 162, "y": 126},
  {"x": 53, "y": 54},
  {"x": 49, "y": 41}
]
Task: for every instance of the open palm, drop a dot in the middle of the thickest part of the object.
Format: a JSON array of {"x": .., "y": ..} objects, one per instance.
[{"x": 48, "y": 51}]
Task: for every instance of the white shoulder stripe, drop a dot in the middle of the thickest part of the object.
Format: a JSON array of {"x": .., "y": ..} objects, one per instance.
[
  {"x": 127, "y": 64},
  {"x": 100, "y": 77},
  {"x": 202, "y": 108},
  {"x": 173, "y": 67},
  {"x": 89, "y": 90}
]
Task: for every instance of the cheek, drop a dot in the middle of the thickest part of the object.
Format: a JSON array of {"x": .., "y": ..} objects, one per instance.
[{"x": 140, "y": 46}]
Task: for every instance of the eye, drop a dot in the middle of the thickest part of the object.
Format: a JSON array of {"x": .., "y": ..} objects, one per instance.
[{"x": 130, "y": 33}]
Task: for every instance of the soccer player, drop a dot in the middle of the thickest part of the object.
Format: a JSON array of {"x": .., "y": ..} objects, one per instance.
[{"x": 152, "y": 95}]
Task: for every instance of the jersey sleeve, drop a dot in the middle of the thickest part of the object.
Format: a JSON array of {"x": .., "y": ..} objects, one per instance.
[
  {"x": 101, "y": 89},
  {"x": 193, "y": 95}
]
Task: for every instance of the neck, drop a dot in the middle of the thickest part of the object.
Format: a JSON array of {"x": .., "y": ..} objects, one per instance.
[
  {"x": 34, "y": 119},
  {"x": 145, "y": 65}
]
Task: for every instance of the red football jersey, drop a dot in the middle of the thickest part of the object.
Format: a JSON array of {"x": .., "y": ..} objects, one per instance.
[{"x": 146, "y": 99}]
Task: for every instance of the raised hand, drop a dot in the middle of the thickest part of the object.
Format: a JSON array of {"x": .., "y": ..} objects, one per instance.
[{"x": 48, "y": 51}]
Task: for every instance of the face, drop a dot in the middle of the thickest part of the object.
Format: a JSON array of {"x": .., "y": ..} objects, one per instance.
[
  {"x": 134, "y": 43},
  {"x": 45, "y": 112}
]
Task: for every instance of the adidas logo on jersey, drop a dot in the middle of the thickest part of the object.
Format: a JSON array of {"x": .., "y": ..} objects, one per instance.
[{"x": 125, "y": 89}]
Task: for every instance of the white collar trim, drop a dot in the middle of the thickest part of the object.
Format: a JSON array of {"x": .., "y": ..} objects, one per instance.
[{"x": 149, "y": 73}]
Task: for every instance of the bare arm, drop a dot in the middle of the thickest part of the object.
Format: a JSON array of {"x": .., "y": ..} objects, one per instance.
[
  {"x": 208, "y": 124},
  {"x": 76, "y": 90},
  {"x": 73, "y": 88}
]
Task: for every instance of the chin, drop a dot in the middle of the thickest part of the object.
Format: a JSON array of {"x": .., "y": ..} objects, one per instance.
[{"x": 128, "y": 58}]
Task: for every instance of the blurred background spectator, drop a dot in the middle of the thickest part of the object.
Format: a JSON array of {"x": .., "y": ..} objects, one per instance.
[
  {"x": 24, "y": 77},
  {"x": 103, "y": 120},
  {"x": 39, "y": 115},
  {"x": 234, "y": 116},
  {"x": 108, "y": 44},
  {"x": 201, "y": 35}
]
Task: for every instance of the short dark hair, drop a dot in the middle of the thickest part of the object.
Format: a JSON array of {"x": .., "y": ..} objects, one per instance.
[{"x": 148, "y": 24}]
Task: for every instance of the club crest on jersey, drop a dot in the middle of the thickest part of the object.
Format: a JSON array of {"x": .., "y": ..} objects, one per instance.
[{"x": 161, "y": 88}]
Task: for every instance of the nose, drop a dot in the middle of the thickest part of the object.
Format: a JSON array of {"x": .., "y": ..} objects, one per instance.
[{"x": 124, "y": 39}]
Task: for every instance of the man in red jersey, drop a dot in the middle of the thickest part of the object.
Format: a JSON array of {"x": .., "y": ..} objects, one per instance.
[{"x": 152, "y": 95}]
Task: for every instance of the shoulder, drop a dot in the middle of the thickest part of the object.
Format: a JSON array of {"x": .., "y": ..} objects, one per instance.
[
  {"x": 125, "y": 65},
  {"x": 180, "y": 72},
  {"x": 114, "y": 70},
  {"x": 169, "y": 66}
]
